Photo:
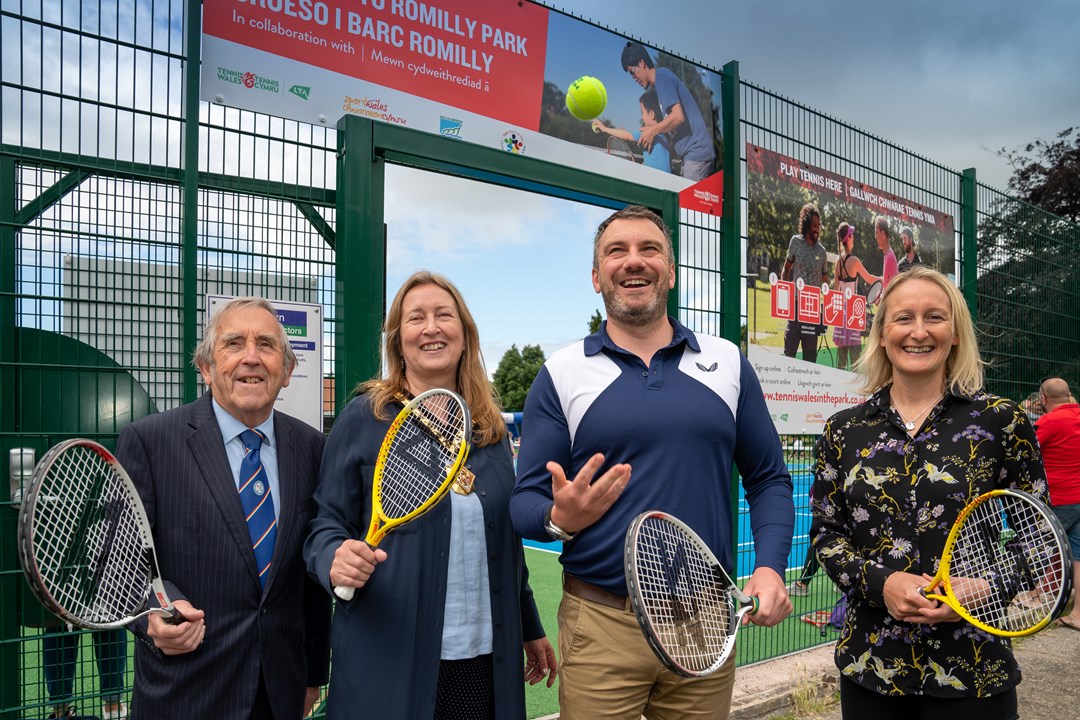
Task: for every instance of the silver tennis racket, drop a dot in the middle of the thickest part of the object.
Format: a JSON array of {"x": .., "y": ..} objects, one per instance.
[
  {"x": 688, "y": 608},
  {"x": 85, "y": 542}
]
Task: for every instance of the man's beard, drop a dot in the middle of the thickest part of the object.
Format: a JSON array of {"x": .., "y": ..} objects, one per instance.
[{"x": 636, "y": 316}]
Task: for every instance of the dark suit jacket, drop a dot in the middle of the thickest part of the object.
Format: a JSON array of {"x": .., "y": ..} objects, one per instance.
[{"x": 178, "y": 463}]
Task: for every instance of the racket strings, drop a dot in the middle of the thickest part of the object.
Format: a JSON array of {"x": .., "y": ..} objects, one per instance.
[
  {"x": 1006, "y": 566},
  {"x": 690, "y": 612},
  {"x": 620, "y": 148},
  {"x": 87, "y": 543},
  {"x": 422, "y": 455}
]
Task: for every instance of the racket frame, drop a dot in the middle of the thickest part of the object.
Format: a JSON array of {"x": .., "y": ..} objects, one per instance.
[
  {"x": 381, "y": 524},
  {"x": 739, "y": 603},
  {"x": 943, "y": 580},
  {"x": 28, "y": 555}
]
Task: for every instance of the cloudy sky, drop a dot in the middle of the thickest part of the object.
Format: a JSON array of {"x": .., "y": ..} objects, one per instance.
[{"x": 963, "y": 77}]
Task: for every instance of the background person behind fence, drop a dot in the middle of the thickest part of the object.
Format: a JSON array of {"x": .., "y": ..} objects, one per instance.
[{"x": 1059, "y": 439}]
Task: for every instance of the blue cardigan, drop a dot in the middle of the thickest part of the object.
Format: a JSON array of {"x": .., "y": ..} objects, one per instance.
[{"x": 386, "y": 641}]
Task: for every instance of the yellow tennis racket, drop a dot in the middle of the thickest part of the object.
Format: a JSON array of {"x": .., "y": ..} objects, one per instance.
[
  {"x": 423, "y": 450},
  {"x": 1007, "y": 566}
]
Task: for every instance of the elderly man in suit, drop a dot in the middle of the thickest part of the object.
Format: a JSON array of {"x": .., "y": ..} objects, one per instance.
[{"x": 227, "y": 483}]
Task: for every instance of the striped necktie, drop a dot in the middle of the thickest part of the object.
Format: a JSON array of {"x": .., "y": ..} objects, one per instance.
[{"x": 258, "y": 505}]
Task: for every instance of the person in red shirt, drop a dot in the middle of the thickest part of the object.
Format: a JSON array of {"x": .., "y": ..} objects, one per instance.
[{"x": 1059, "y": 437}]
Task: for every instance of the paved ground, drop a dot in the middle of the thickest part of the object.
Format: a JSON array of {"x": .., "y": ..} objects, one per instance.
[{"x": 1048, "y": 660}]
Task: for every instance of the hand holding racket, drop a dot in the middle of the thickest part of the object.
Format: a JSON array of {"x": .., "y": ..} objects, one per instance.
[
  {"x": 420, "y": 456},
  {"x": 85, "y": 542},
  {"x": 1007, "y": 565},
  {"x": 686, "y": 604}
]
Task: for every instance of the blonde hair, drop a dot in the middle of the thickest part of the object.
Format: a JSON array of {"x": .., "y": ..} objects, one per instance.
[
  {"x": 472, "y": 381},
  {"x": 963, "y": 367}
]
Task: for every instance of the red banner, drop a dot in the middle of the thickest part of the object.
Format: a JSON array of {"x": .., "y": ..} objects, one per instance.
[{"x": 484, "y": 56}]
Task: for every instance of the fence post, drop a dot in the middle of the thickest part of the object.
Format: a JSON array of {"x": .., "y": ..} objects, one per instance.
[
  {"x": 189, "y": 182},
  {"x": 969, "y": 236},
  {"x": 360, "y": 266},
  {"x": 730, "y": 273},
  {"x": 10, "y": 647}
]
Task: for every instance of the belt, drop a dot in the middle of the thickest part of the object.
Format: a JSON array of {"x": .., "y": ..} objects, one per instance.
[{"x": 587, "y": 591}]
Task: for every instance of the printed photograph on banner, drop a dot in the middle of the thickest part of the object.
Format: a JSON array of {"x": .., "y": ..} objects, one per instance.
[
  {"x": 619, "y": 98},
  {"x": 821, "y": 248}
]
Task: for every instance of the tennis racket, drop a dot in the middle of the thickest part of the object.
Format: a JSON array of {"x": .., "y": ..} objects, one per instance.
[
  {"x": 1007, "y": 566},
  {"x": 423, "y": 450},
  {"x": 686, "y": 604},
  {"x": 873, "y": 292},
  {"x": 620, "y": 148},
  {"x": 85, "y": 542}
]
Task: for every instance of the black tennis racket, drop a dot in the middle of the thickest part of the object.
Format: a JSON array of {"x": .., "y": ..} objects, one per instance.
[
  {"x": 686, "y": 604},
  {"x": 85, "y": 543},
  {"x": 1007, "y": 565}
]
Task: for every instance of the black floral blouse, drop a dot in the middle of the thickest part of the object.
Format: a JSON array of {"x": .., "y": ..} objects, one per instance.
[{"x": 884, "y": 502}]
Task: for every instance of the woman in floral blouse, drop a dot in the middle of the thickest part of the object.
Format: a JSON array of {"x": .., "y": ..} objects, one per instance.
[{"x": 891, "y": 476}]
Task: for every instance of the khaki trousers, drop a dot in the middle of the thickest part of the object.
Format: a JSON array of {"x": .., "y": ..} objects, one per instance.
[{"x": 607, "y": 670}]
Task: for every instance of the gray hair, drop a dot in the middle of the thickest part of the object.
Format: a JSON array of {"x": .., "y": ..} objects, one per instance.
[{"x": 204, "y": 351}]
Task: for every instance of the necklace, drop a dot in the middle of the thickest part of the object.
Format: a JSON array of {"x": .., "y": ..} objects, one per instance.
[{"x": 909, "y": 425}]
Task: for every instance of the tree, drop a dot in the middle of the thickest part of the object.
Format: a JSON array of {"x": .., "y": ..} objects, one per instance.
[
  {"x": 1047, "y": 173},
  {"x": 594, "y": 322},
  {"x": 1027, "y": 267},
  {"x": 515, "y": 375}
]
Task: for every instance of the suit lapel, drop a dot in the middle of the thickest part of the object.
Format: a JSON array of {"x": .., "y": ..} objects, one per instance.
[
  {"x": 286, "y": 462},
  {"x": 206, "y": 446}
]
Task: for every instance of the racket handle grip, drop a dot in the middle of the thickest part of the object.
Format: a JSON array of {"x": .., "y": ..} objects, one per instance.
[
  {"x": 172, "y": 616},
  {"x": 757, "y": 605},
  {"x": 344, "y": 592}
]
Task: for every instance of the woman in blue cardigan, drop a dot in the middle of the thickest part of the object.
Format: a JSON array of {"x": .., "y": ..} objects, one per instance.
[{"x": 443, "y": 607}]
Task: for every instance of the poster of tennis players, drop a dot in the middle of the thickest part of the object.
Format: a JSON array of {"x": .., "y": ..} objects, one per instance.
[{"x": 820, "y": 250}]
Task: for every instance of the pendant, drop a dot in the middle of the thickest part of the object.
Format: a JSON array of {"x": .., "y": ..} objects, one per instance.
[
  {"x": 908, "y": 425},
  {"x": 463, "y": 483}
]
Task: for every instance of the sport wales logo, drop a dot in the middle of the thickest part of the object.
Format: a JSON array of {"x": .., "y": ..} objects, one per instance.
[{"x": 301, "y": 91}]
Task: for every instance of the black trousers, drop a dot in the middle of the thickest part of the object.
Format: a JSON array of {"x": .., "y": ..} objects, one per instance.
[{"x": 859, "y": 703}]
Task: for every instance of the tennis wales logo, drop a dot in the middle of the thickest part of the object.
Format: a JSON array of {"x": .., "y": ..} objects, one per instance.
[{"x": 702, "y": 368}]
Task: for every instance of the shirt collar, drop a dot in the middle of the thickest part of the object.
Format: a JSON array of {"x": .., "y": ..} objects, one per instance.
[
  {"x": 600, "y": 339},
  {"x": 231, "y": 427},
  {"x": 880, "y": 401}
]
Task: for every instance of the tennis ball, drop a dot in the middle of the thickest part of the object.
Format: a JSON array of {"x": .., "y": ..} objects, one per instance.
[{"x": 586, "y": 98}]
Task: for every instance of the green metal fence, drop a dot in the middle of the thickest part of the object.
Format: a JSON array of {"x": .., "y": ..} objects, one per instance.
[{"x": 124, "y": 201}]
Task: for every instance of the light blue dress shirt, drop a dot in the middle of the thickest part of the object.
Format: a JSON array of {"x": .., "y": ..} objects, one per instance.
[
  {"x": 467, "y": 613},
  {"x": 234, "y": 448}
]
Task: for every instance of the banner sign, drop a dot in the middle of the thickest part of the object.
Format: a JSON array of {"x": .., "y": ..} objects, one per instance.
[
  {"x": 814, "y": 284},
  {"x": 491, "y": 72}
]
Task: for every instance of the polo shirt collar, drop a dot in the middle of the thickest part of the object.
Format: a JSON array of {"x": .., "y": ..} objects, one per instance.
[{"x": 600, "y": 339}]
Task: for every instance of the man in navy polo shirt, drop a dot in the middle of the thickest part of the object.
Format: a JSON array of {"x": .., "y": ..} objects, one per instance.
[{"x": 647, "y": 397}]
